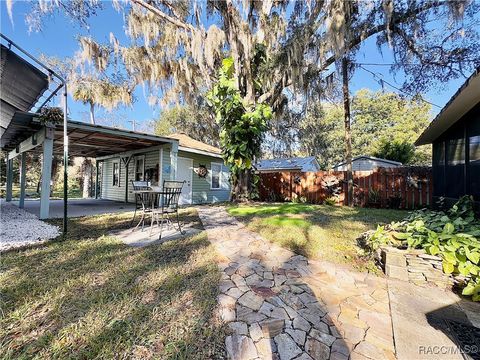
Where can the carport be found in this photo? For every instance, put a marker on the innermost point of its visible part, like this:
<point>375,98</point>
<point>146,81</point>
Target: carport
<point>23,86</point>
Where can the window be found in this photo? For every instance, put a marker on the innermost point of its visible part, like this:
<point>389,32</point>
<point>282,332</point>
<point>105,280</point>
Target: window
<point>116,173</point>
<point>140,168</point>
<point>474,152</point>
<point>456,152</point>
<point>216,173</point>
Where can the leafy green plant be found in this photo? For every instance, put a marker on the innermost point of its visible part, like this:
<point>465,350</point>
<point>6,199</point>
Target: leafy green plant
<point>453,235</point>
<point>374,196</point>
<point>51,115</point>
<point>331,201</point>
<point>241,130</point>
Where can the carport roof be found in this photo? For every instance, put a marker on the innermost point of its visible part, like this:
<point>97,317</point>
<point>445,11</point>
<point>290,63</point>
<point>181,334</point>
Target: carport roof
<point>87,140</point>
<point>22,85</point>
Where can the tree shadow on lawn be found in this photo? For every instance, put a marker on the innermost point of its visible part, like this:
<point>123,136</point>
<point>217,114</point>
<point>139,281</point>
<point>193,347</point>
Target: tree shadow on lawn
<point>290,305</point>
<point>317,231</point>
<point>98,297</point>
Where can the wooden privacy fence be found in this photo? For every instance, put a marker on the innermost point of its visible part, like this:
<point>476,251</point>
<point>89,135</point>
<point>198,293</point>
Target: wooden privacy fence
<point>402,187</point>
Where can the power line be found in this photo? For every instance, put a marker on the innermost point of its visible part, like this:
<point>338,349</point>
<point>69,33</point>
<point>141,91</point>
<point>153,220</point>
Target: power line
<point>382,81</point>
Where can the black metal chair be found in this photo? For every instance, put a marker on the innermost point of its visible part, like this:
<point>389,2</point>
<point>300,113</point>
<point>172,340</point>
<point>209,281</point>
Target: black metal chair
<point>139,203</point>
<point>169,199</point>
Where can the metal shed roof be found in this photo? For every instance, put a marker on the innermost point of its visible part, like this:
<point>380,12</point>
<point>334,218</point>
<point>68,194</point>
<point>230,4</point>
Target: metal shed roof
<point>462,102</point>
<point>294,163</point>
<point>22,85</point>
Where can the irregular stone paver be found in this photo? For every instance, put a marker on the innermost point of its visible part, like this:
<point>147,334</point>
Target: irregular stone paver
<point>280,305</point>
<point>286,306</point>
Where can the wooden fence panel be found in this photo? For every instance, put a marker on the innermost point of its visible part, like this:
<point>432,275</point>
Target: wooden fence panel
<point>403,187</point>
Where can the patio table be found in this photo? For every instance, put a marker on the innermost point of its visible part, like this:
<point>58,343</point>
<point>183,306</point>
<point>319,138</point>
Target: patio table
<point>150,200</point>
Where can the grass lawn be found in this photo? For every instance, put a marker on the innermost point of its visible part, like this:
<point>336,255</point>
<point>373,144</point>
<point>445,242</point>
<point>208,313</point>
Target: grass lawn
<point>91,296</point>
<point>316,231</point>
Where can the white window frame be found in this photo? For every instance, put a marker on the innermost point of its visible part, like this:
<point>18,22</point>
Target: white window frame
<point>143,170</point>
<point>219,176</point>
<point>113,173</point>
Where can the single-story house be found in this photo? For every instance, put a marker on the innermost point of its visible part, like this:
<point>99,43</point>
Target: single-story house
<point>367,163</point>
<point>302,164</point>
<point>455,135</point>
<point>200,187</point>
<point>121,155</point>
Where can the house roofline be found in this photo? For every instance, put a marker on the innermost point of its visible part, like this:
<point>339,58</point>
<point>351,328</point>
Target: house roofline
<point>370,158</point>
<point>458,105</point>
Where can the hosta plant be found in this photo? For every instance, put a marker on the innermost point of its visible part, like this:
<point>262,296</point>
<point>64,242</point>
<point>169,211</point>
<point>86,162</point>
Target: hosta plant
<point>453,235</point>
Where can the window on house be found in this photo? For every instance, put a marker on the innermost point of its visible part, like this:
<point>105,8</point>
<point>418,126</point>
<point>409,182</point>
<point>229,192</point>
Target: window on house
<point>216,172</point>
<point>140,168</point>
<point>116,173</point>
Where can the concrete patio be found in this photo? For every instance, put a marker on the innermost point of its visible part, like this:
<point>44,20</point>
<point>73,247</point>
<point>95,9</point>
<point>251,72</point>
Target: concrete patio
<point>78,207</point>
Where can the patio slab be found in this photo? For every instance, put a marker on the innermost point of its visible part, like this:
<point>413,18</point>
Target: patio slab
<point>139,238</point>
<point>78,207</point>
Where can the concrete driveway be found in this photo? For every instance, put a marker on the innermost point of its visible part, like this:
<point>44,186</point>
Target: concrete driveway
<point>78,207</point>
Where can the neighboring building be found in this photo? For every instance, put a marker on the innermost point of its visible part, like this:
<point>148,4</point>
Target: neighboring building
<point>302,164</point>
<point>366,163</point>
<point>455,135</point>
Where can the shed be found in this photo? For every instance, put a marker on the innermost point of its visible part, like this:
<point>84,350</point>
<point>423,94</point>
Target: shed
<point>455,135</point>
<point>302,164</point>
<point>367,163</point>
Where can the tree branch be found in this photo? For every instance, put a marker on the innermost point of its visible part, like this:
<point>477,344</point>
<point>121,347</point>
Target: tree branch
<point>174,21</point>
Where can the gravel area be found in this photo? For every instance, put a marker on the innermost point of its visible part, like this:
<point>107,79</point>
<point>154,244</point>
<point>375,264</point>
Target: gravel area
<point>19,228</point>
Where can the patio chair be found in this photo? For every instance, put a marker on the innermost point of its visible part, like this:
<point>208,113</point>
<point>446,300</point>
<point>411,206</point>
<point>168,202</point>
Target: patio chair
<point>139,185</point>
<point>169,199</point>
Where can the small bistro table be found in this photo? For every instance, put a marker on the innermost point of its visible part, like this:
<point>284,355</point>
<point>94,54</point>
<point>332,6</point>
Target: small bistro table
<point>159,202</point>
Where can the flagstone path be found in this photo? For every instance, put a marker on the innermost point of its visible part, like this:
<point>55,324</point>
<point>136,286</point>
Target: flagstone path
<point>278,305</point>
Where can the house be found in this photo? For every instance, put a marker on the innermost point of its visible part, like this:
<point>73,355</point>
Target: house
<point>455,135</point>
<point>302,164</point>
<point>367,163</point>
<point>180,160</point>
<point>121,155</point>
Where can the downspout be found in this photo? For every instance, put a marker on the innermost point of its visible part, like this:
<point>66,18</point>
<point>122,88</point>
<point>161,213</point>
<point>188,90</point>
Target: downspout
<point>63,84</point>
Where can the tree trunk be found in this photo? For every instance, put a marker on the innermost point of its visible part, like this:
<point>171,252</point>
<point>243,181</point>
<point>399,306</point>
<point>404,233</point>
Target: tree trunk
<point>243,186</point>
<point>86,175</point>
<point>348,133</point>
<point>92,113</point>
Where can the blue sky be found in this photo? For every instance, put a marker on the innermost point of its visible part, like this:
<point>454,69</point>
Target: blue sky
<point>58,38</point>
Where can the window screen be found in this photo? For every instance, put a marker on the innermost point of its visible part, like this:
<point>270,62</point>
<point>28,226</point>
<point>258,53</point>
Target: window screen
<point>439,168</point>
<point>140,168</point>
<point>216,171</point>
<point>116,174</point>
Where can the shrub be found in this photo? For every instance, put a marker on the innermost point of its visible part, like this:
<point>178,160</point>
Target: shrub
<point>453,235</point>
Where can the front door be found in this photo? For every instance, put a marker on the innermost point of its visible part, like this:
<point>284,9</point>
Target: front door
<point>184,173</point>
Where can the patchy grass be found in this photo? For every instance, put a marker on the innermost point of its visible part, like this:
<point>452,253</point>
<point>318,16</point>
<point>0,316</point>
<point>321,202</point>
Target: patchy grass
<point>316,231</point>
<point>91,296</point>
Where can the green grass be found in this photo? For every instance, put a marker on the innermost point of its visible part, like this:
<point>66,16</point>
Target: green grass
<point>31,193</point>
<point>316,231</point>
<point>91,296</point>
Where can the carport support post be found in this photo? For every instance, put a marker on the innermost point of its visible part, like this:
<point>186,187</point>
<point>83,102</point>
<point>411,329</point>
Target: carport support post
<point>174,160</point>
<point>8,195</point>
<point>23,176</point>
<point>96,179</point>
<point>46,177</point>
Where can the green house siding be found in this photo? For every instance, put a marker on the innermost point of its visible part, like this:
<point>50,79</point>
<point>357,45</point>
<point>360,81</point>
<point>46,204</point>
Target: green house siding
<point>117,193</point>
<point>201,187</point>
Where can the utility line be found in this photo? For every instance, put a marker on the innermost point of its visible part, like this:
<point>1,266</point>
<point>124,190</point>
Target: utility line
<point>381,81</point>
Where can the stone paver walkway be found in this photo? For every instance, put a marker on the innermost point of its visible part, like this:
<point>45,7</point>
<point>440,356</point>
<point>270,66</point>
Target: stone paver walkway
<point>278,305</point>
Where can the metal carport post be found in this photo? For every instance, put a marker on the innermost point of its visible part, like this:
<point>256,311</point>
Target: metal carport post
<point>65,133</point>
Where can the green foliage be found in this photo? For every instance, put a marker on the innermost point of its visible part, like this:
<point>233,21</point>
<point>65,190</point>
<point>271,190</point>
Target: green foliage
<point>395,150</point>
<point>51,115</point>
<point>197,122</point>
<point>376,117</point>
<point>453,235</point>
<point>242,125</point>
